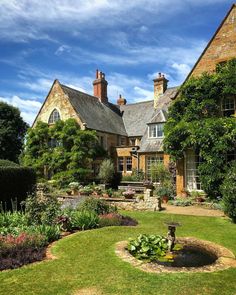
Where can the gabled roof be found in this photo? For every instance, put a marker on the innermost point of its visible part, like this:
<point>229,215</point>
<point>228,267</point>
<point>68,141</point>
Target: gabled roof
<point>95,114</point>
<point>209,43</point>
<point>159,117</point>
<point>137,115</point>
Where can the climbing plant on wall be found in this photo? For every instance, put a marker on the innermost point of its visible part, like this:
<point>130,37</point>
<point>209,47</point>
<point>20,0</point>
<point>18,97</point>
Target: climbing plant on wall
<point>196,121</point>
<point>61,149</point>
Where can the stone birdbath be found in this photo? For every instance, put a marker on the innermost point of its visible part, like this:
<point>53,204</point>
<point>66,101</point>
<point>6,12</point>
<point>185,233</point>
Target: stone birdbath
<point>171,234</point>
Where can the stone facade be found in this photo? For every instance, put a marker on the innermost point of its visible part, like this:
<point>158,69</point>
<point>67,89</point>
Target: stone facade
<point>58,100</point>
<point>220,48</point>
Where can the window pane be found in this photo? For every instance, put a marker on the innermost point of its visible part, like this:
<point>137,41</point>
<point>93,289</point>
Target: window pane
<point>152,160</point>
<point>54,117</point>
<point>120,164</point>
<point>129,164</point>
<point>156,130</point>
<point>192,173</point>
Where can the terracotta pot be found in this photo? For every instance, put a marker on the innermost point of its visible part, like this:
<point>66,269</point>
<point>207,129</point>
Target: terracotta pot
<point>165,199</point>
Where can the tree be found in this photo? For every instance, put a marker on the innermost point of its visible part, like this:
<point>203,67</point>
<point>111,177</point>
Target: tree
<point>195,121</point>
<point>62,151</point>
<point>12,132</point>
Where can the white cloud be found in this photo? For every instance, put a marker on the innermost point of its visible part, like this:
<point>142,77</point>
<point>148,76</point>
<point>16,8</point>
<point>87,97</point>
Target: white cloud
<point>31,19</point>
<point>28,108</point>
<point>63,49</point>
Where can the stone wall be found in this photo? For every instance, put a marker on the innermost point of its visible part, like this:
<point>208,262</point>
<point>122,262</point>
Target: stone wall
<point>221,48</point>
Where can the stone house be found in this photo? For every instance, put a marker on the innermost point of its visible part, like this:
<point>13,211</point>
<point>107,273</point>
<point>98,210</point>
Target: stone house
<point>133,134</point>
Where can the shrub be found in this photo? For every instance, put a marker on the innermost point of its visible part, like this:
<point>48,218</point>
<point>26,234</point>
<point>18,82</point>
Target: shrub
<point>41,210</point>
<point>16,183</point>
<point>7,163</point>
<point>148,247</point>
<point>96,205</point>
<point>115,219</point>
<point>50,232</point>
<point>106,171</point>
<point>228,190</point>
<point>20,250</point>
<point>83,220</point>
<point>181,202</point>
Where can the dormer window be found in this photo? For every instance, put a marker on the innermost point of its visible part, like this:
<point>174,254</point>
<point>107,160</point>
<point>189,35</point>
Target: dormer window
<point>228,106</point>
<point>54,117</point>
<point>156,130</point>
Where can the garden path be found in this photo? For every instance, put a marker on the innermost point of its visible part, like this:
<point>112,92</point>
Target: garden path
<point>191,210</point>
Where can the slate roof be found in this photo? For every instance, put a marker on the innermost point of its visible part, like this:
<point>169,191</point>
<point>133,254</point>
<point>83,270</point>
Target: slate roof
<point>137,115</point>
<point>158,116</point>
<point>96,115</point>
<point>127,120</point>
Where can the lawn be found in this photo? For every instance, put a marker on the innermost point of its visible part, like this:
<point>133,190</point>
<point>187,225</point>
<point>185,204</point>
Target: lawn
<point>87,260</point>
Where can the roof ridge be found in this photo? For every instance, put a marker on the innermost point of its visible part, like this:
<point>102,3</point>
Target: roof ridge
<point>95,97</point>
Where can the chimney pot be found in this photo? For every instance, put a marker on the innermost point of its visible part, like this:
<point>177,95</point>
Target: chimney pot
<point>97,74</point>
<point>121,101</point>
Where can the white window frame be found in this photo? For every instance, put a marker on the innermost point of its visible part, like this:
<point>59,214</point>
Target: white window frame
<point>228,105</point>
<point>154,129</point>
<point>192,181</point>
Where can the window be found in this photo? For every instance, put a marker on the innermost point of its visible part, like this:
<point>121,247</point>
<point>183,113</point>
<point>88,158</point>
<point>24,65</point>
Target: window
<point>156,130</point>
<point>53,142</point>
<point>54,117</point>
<point>228,106</point>
<point>191,171</point>
<point>128,163</point>
<point>120,164</point>
<point>152,160</point>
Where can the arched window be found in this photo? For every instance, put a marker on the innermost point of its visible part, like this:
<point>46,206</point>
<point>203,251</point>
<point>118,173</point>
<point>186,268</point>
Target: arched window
<point>54,117</point>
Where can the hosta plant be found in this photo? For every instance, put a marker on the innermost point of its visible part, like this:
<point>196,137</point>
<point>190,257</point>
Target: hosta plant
<point>148,247</point>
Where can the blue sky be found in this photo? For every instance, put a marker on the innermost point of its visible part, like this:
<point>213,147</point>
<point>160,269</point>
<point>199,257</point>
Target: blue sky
<point>130,40</point>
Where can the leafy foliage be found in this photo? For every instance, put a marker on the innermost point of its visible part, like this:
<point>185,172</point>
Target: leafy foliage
<point>106,171</point>
<point>148,247</point>
<point>41,210</point>
<point>96,205</point>
<point>12,132</point>
<point>195,121</point>
<point>62,150</point>
<point>83,220</point>
<point>228,189</point>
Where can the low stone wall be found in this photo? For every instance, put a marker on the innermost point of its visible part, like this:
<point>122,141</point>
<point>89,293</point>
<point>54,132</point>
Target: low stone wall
<point>148,204</point>
<point>225,258</point>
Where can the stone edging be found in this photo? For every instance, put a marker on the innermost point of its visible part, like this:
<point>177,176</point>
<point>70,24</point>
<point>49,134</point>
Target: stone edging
<point>225,258</point>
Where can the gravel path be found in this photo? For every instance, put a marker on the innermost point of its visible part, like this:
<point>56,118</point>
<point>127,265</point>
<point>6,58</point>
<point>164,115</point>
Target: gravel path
<point>192,210</point>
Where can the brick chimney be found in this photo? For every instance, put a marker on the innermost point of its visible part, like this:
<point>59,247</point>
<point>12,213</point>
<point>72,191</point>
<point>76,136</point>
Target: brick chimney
<point>160,86</point>
<point>121,101</point>
<point>100,87</point>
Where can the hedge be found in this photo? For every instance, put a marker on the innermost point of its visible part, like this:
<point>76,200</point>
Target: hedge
<point>15,184</point>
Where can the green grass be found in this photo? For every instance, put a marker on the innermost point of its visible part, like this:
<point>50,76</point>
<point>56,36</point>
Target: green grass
<point>87,259</point>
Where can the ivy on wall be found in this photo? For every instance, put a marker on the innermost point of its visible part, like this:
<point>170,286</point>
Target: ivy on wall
<point>61,149</point>
<point>195,121</point>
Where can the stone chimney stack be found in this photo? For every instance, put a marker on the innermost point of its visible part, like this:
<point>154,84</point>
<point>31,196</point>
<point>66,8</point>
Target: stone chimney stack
<point>100,87</point>
<point>160,86</point>
<point>121,101</point>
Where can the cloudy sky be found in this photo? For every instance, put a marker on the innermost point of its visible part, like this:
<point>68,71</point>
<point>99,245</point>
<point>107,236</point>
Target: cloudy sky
<point>130,40</point>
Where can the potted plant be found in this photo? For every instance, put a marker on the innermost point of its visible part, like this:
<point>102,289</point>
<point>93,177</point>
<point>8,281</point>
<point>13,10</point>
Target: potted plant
<point>165,191</point>
<point>129,193</point>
